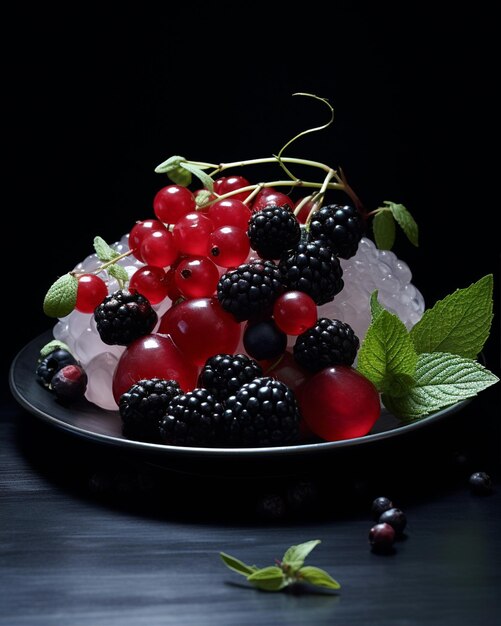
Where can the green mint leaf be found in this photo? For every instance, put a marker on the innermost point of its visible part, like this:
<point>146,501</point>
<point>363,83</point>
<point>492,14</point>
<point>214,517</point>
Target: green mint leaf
<point>53,345</point>
<point>383,226</point>
<point>460,323</point>
<point>180,176</point>
<point>103,250</point>
<point>294,557</point>
<point>441,379</point>
<point>318,577</point>
<point>119,272</point>
<point>387,354</point>
<point>236,565</point>
<point>61,298</point>
<point>270,578</point>
<point>171,163</point>
<point>405,221</point>
<point>375,305</point>
<point>204,178</point>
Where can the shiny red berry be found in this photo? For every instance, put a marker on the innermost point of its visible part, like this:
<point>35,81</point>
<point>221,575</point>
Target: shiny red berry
<point>91,291</point>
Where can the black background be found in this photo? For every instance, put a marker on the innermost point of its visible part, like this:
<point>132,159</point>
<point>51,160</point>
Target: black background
<point>95,100</point>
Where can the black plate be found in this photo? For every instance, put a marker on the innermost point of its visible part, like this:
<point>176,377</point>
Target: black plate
<point>87,421</point>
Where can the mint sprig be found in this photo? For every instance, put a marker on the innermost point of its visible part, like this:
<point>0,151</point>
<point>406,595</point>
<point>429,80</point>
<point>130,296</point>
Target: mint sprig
<point>289,571</point>
<point>432,366</point>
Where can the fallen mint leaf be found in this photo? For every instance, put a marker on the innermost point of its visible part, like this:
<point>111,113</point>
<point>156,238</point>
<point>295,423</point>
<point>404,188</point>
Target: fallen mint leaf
<point>237,566</point>
<point>440,380</point>
<point>295,555</point>
<point>270,578</point>
<point>318,577</point>
<point>459,324</point>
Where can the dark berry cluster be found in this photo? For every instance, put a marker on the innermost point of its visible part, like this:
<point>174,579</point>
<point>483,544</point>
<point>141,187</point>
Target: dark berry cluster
<point>390,524</point>
<point>233,406</point>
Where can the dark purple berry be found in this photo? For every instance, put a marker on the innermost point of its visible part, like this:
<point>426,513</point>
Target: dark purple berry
<point>379,506</point>
<point>480,484</point>
<point>264,340</point>
<point>271,506</point>
<point>395,518</point>
<point>382,537</point>
<point>69,383</point>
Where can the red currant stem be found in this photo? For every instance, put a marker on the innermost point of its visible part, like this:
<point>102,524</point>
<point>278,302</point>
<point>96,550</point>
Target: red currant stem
<point>254,193</point>
<point>378,210</point>
<point>104,265</point>
<point>319,198</point>
<point>273,159</point>
<point>356,200</point>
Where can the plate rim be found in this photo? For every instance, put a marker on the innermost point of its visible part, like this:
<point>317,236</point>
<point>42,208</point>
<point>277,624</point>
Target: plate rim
<point>216,452</point>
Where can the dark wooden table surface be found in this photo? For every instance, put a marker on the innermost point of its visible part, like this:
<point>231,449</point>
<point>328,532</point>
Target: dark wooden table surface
<point>91,536</point>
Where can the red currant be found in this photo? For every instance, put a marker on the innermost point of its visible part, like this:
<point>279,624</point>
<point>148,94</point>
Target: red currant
<point>158,248</point>
<point>339,403</point>
<point>91,291</point>
<point>230,212</point>
<point>265,198</point>
<point>173,292</point>
<point>201,328</point>
<point>151,282</point>
<point>294,312</point>
<point>226,184</point>
<point>228,246</point>
<point>196,277</point>
<point>191,234</point>
<point>139,231</point>
<point>172,202</point>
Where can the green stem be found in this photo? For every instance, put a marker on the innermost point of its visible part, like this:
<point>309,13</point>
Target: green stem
<point>273,159</point>
<point>105,265</point>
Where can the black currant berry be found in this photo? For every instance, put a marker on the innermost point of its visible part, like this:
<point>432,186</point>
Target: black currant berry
<point>395,518</point>
<point>480,484</point>
<point>379,506</point>
<point>382,538</point>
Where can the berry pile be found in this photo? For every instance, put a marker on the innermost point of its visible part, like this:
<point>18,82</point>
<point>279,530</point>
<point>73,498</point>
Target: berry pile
<point>207,324</point>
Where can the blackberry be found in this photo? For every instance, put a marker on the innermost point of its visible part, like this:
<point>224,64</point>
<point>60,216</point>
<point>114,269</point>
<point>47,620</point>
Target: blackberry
<point>329,342</point>
<point>339,227</point>
<point>53,362</point>
<point>124,316</point>
<point>250,290</point>
<point>273,230</point>
<point>193,419</point>
<point>313,268</point>
<point>144,405</point>
<point>224,374</point>
<point>263,412</point>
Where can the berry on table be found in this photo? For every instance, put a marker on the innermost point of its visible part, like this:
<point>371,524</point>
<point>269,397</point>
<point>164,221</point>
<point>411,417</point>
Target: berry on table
<point>396,518</point>
<point>327,343</point>
<point>480,483</point>
<point>143,405</point>
<point>382,538</point>
<point>379,506</point>
<point>123,316</point>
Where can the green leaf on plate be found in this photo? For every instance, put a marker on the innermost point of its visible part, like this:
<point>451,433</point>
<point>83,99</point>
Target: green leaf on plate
<point>440,380</point>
